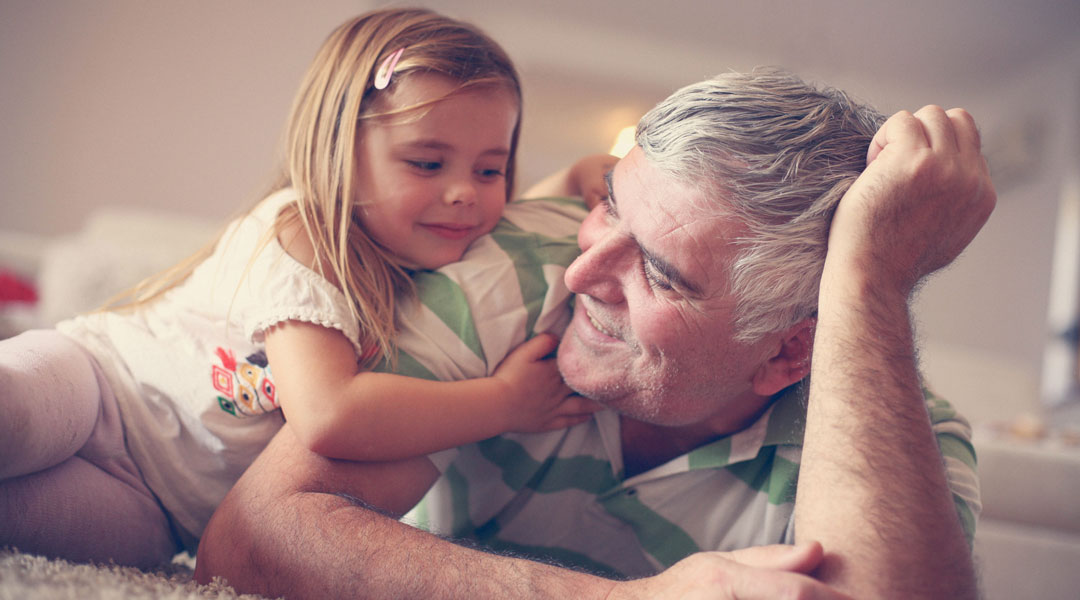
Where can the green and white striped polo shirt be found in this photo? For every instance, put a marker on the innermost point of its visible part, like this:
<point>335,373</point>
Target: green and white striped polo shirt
<point>562,495</point>
<point>506,288</point>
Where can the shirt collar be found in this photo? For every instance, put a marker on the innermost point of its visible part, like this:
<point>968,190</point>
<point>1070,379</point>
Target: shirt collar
<point>782,424</point>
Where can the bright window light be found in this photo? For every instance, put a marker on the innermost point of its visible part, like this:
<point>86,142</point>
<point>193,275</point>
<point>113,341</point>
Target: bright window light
<point>623,142</point>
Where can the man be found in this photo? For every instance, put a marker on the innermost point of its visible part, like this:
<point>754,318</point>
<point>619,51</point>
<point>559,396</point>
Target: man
<point>698,306</point>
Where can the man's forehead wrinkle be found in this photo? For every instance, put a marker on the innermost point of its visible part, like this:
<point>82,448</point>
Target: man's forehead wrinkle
<point>669,225</point>
<point>700,239</point>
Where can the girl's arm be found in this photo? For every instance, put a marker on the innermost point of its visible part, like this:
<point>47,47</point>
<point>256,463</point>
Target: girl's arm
<point>584,178</point>
<point>339,412</point>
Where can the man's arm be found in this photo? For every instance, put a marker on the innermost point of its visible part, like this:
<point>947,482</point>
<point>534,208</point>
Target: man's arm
<point>296,525</point>
<point>299,525</point>
<point>872,485</point>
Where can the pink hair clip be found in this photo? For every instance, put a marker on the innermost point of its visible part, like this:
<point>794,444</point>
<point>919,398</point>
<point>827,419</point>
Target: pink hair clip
<point>382,76</point>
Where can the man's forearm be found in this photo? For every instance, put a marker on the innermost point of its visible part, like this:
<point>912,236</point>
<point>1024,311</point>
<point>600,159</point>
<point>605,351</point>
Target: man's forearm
<point>279,533</point>
<point>351,552</point>
<point>872,486</point>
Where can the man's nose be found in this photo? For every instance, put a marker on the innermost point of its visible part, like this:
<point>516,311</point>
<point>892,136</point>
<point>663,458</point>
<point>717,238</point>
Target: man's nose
<point>598,271</point>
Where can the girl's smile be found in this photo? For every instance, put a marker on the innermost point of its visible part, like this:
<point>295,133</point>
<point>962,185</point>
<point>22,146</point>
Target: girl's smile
<point>449,231</point>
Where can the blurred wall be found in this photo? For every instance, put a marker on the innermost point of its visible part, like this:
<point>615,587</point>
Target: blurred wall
<point>172,105</point>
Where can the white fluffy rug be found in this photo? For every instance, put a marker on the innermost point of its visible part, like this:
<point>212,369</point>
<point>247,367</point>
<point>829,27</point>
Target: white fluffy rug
<point>29,577</point>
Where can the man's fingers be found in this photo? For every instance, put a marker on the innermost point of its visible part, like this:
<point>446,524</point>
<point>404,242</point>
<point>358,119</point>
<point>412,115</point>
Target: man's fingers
<point>938,127</point>
<point>967,133</point>
<point>750,585</point>
<point>801,558</point>
<point>777,571</point>
<point>902,129</point>
<point>952,130</point>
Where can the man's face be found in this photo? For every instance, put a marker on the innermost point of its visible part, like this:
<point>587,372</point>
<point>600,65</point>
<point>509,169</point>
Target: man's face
<point>652,333</point>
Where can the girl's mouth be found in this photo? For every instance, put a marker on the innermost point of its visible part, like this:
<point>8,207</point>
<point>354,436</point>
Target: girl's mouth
<point>449,231</point>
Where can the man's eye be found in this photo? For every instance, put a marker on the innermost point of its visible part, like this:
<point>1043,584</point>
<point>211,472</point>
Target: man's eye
<point>425,165</point>
<point>609,208</point>
<point>655,279</point>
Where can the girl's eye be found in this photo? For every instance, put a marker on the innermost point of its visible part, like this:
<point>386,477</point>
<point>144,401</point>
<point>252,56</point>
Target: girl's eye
<point>490,173</point>
<point>655,279</point>
<point>425,165</point>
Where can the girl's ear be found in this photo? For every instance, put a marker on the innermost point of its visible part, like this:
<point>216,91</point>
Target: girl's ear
<point>791,361</point>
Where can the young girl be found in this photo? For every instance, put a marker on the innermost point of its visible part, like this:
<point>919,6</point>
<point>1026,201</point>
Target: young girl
<point>122,430</point>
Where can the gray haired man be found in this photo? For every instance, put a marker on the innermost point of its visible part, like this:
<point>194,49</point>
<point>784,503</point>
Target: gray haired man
<point>759,221</point>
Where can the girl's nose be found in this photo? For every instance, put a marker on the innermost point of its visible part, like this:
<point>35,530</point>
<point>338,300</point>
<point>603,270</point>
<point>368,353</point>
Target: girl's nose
<point>460,194</point>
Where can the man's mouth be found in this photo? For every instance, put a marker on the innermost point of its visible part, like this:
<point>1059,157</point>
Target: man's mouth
<point>598,326</point>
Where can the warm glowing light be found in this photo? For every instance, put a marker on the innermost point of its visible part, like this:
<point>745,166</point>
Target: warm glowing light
<point>623,142</point>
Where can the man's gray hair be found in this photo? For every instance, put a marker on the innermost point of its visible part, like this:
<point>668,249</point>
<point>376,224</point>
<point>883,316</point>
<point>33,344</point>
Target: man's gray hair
<point>778,154</point>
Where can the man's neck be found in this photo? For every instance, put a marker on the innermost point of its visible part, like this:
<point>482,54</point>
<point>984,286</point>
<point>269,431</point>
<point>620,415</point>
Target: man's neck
<point>646,446</point>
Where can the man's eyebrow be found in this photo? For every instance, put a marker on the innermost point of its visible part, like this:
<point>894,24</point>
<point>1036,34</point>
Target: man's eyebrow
<point>668,270</point>
<point>610,204</point>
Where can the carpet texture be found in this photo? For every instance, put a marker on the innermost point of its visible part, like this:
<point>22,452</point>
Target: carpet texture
<point>30,577</point>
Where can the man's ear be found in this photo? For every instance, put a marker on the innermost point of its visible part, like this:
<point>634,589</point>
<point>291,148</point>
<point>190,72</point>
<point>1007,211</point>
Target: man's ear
<point>790,362</point>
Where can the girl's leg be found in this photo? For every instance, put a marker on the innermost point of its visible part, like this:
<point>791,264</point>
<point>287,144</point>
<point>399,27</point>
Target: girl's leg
<point>90,506</point>
<point>80,513</point>
<point>49,401</point>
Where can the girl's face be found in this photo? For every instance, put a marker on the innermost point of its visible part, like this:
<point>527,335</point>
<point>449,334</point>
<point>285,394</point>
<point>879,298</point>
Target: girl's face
<point>431,186</point>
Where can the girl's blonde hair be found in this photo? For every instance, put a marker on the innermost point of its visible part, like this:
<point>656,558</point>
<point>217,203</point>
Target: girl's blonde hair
<point>336,97</point>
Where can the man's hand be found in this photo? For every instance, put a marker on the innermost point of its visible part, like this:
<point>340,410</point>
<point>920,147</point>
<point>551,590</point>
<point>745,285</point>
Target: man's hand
<point>761,573</point>
<point>924,195</point>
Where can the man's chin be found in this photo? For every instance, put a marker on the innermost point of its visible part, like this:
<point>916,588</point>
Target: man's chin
<point>579,381</point>
<point>591,376</point>
<point>576,369</point>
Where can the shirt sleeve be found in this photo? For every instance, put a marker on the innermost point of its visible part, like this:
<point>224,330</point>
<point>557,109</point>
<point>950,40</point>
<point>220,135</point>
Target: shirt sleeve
<point>277,288</point>
<point>953,435</point>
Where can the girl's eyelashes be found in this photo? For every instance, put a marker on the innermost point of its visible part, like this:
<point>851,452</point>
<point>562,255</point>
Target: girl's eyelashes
<point>425,165</point>
<point>431,166</point>
<point>490,173</point>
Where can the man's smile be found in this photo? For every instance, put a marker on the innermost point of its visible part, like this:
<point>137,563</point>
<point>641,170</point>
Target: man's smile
<point>598,326</point>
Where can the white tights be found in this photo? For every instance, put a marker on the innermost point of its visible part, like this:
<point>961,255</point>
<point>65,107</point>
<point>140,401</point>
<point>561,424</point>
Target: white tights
<point>68,487</point>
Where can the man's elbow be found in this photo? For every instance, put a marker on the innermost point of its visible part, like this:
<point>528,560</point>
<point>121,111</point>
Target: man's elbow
<point>223,542</point>
<point>239,541</point>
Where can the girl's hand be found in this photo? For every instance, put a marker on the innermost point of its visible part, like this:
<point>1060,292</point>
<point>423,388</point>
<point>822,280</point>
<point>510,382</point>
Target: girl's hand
<point>584,178</point>
<point>537,399</point>
<point>587,177</point>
